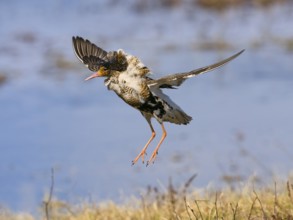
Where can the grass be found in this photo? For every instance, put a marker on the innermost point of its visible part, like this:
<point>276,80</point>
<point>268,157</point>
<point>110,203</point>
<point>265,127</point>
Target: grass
<point>248,203</point>
<point>179,203</point>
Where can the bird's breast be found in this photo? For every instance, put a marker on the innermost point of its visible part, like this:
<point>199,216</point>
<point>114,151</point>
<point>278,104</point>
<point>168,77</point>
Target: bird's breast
<point>133,91</point>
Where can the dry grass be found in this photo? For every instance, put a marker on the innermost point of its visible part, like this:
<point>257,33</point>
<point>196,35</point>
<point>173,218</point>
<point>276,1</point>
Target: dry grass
<point>7,215</point>
<point>246,202</point>
<point>266,203</point>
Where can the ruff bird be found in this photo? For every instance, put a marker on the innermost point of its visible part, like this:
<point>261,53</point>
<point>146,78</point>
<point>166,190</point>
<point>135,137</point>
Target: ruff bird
<point>130,79</point>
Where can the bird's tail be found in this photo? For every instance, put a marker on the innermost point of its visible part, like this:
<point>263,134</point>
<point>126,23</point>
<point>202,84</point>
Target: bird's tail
<point>177,116</point>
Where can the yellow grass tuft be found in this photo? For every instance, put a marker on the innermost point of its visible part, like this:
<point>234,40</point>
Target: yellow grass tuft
<point>275,202</point>
<point>246,202</point>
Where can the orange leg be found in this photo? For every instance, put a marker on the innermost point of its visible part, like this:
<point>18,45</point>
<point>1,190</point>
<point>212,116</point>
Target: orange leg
<point>143,151</point>
<point>155,153</point>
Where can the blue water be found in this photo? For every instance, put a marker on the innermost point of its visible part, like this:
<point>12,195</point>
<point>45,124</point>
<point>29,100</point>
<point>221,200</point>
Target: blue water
<point>51,118</point>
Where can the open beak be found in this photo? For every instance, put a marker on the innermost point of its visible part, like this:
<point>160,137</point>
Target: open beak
<point>96,74</point>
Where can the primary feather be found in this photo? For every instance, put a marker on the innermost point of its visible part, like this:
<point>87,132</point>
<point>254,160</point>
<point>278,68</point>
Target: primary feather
<point>178,78</point>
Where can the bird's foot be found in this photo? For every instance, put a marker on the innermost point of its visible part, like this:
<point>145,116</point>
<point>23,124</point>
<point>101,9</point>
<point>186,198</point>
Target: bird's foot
<point>152,158</point>
<point>140,155</point>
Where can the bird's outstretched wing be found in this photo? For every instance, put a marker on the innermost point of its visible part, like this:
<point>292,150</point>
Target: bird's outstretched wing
<point>94,57</point>
<point>178,78</point>
<point>88,53</point>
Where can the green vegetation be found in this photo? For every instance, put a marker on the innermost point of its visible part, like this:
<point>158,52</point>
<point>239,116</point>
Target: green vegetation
<point>245,202</point>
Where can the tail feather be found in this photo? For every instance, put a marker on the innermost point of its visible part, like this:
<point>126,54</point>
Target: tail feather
<point>174,113</point>
<point>177,116</point>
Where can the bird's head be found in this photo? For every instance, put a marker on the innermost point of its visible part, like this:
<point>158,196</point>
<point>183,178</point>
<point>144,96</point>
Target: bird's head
<point>116,62</point>
<point>102,72</point>
<point>101,62</point>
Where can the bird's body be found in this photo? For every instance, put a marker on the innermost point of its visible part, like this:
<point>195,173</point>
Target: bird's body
<point>130,79</point>
<point>132,86</point>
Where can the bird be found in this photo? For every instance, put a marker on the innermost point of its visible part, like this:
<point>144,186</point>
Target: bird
<point>131,80</point>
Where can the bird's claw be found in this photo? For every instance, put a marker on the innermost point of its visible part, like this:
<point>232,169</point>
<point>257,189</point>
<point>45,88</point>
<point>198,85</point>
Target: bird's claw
<point>140,155</point>
<point>148,163</point>
<point>153,158</point>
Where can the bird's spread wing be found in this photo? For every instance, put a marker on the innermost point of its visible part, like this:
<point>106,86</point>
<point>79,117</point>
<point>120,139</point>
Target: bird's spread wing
<point>178,78</point>
<point>88,53</point>
<point>94,57</point>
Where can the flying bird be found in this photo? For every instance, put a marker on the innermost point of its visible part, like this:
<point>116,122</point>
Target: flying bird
<point>130,79</point>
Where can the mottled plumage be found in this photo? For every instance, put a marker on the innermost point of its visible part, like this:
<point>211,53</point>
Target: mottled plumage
<point>130,79</point>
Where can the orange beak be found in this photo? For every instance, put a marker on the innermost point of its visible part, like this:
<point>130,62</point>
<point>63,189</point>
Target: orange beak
<point>96,74</point>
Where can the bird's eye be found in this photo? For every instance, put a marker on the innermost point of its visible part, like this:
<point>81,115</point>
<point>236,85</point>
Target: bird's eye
<point>105,68</point>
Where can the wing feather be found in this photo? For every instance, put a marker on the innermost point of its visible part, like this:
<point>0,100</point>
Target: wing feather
<point>94,57</point>
<point>178,78</point>
<point>89,54</point>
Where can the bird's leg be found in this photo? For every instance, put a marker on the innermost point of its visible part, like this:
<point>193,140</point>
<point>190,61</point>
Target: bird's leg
<point>143,151</point>
<point>155,153</point>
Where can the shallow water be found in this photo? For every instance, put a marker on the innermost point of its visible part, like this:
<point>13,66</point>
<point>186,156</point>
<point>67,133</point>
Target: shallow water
<point>50,118</point>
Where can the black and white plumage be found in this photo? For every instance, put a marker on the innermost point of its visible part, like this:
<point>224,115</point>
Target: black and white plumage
<point>130,79</point>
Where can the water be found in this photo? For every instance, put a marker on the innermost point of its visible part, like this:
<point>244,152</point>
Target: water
<point>51,118</point>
